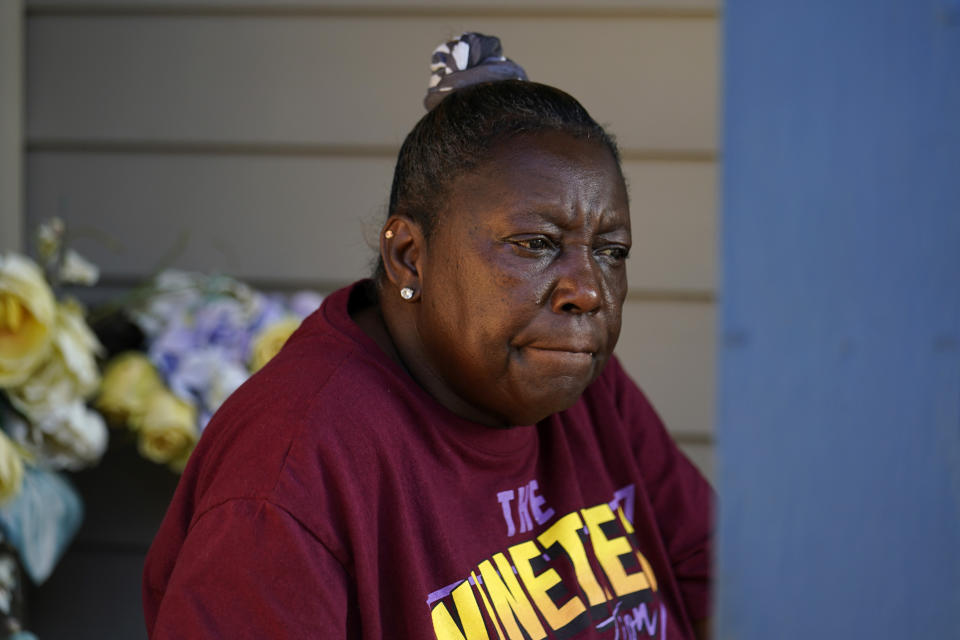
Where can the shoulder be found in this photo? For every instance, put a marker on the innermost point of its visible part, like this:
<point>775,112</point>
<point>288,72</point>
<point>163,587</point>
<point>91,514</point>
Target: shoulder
<point>210,584</point>
<point>279,436</point>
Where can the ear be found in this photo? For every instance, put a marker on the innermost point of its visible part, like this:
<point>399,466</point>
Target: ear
<point>403,248</point>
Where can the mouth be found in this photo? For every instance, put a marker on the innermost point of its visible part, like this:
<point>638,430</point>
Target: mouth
<point>571,350</point>
<point>571,344</point>
<point>562,356</point>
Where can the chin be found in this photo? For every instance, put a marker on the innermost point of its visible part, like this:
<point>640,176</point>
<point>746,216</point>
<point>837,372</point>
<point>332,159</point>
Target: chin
<point>534,409</point>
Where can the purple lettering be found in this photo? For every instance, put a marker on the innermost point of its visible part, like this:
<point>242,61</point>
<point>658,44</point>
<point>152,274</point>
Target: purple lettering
<point>505,497</point>
<point>625,497</point>
<point>641,619</point>
<point>540,514</point>
<point>526,524</point>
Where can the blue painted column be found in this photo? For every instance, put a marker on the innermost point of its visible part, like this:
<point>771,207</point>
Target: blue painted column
<point>839,400</point>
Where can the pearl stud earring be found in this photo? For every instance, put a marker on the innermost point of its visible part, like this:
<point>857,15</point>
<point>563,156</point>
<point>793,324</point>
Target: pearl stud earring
<point>406,293</point>
<point>388,234</point>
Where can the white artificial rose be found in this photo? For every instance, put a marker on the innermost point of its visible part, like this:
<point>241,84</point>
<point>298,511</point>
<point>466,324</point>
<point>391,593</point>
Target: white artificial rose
<point>78,270</point>
<point>78,346</point>
<point>70,436</point>
<point>48,387</point>
<point>50,236</point>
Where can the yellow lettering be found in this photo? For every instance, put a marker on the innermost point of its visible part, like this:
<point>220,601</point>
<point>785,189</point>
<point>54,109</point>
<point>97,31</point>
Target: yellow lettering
<point>647,569</point>
<point>486,605</point>
<point>509,600</point>
<point>565,531</point>
<point>538,585</point>
<point>466,604</point>
<point>608,551</point>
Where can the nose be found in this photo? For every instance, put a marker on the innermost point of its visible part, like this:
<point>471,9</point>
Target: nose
<point>577,288</point>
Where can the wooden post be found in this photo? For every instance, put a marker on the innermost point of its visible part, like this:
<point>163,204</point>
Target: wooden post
<point>839,400</point>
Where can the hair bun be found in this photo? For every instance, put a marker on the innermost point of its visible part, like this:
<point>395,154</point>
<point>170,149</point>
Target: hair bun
<point>470,59</point>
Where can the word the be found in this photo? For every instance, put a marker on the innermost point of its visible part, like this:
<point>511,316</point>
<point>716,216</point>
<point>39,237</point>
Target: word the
<point>528,503</point>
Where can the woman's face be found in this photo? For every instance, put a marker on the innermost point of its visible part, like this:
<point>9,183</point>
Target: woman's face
<point>524,279</point>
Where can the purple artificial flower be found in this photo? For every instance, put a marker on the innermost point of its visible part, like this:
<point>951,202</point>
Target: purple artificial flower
<point>303,303</point>
<point>271,309</point>
<point>206,377</point>
<point>171,345</point>
<point>223,323</point>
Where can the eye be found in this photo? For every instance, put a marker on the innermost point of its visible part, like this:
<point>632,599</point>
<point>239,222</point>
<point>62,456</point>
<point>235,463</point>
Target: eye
<point>533,244</point>
<point>615,253</point>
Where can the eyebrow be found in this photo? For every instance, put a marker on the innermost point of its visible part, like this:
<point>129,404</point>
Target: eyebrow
<point>560,219</point>
<point>554,215</point>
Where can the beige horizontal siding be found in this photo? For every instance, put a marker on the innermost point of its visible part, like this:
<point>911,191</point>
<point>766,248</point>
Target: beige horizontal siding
<point>296,218</point>
<point>672,210</point>
<point>277,218</point>
<point>668,349</point>
<point>702,455</point>
<point>349,81</point>
<point>302,149</point>
<point>384,6</point>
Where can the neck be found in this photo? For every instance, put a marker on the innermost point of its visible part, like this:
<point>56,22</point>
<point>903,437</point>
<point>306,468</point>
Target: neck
<point>368,315</point>
<point>392,324</point>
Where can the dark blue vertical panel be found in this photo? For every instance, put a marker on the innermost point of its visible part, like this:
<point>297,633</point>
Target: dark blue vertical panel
<point>839,425</point>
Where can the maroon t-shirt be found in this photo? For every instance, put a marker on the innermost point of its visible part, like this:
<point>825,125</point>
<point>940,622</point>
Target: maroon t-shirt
<point>332,497</point>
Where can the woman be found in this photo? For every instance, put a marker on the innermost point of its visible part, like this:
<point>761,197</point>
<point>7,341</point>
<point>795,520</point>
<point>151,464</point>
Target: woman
<point>451,450</point>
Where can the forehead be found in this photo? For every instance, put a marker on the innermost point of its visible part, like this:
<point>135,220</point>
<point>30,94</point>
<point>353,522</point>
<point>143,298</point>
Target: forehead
<point>544,173</point>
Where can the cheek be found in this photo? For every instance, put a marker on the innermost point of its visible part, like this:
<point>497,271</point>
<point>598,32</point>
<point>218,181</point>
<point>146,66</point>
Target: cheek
<point>489,317</point>
<point>497,288</point>
<point>616,294</point>
<point>613,328</point>
<point>463,320</point>
<point>615,282</point>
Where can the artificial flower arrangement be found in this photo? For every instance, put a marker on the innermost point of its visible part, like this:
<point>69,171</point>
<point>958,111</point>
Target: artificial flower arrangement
<point>205,335</point>
<point>48,366</point>
<point>48,371</point>
<point>202,336</point>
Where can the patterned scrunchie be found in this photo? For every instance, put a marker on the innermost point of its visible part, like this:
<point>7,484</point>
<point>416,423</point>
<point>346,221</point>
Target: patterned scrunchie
<point>470,59</point>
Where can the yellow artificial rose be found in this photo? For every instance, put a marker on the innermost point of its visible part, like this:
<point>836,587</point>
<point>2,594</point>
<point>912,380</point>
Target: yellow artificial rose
<point>268,342</point>
<point>69,372</point>
<point>129,380</point>
<point>11,469</point>
<point>27,316</point>
<point>70,437</point>
<point>167,428</point>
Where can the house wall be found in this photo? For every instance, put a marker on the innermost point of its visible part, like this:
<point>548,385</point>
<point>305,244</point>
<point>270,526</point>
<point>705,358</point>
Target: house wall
<point>257,138</point>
